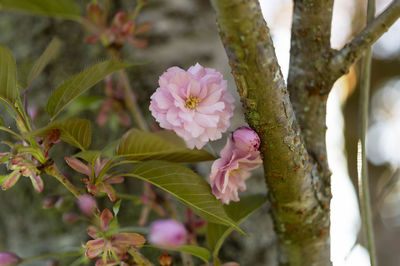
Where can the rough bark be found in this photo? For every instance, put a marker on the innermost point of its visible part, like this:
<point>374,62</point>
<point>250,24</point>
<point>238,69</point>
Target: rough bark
<point>301,220</point>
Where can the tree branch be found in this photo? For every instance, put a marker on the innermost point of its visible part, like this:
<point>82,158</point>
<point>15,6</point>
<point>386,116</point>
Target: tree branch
<point>299,217</point>
<point>343,59</point>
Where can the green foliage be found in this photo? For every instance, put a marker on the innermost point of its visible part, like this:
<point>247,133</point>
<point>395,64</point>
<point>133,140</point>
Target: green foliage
<point>51,51</point>
<point>8,77</point>
<point>141,145</point>
<point>201,253</point>
<point>88,156</point>
<point>187,186</point>
<point>238,211</point>
<point>80,83</point>
<point>66,9</point>
<point>74,131</point>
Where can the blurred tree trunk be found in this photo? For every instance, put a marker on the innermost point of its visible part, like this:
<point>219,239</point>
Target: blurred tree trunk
<point>292,130</point>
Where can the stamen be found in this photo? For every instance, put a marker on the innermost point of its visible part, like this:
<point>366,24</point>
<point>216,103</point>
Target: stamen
<point>192,102</point>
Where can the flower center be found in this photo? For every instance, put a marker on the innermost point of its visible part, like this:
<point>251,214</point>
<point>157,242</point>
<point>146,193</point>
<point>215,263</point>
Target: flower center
<point>192,102</point>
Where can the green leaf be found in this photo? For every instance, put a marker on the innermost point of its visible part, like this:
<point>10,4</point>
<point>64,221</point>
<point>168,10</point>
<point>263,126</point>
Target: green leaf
<point>66,9</point>
<point>78,84</point>
<point>74,131</point>
<point>116,207</point>
<point>200,252</point>
<point>1,121</point>
<point>238,211</point>
<point>141,145</point>
<point>8,77</point>
<point>51,51</point>
<point>187,186</point>
<point>88,156</point>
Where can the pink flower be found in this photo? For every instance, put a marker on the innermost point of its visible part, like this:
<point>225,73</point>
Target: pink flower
<point>229,173</point>
<point>195,104</point>
<point>167,233</point>
<point>8,258</point>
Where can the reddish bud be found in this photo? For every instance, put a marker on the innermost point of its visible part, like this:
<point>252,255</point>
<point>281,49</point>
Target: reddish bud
<point>9,258</point>
<point>50,201</point>
<point>246,139</point>
<point>165,259</point>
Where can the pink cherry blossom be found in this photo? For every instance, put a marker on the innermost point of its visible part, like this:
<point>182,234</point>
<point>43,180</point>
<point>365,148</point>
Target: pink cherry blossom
<point>167,233</point>
<point>196,104</point>
<point>229,173</point>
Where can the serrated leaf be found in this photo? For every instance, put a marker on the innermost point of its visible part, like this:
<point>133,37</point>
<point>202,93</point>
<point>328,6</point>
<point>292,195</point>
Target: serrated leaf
<point>200,252</point>
<point>187,186</point>
<point>80,83</point>
<point>66,9</point>
<point>74,131</point>
<point>142,145</point>
<point>238,211</point>
<point>88,156</point>
<point>51,51</point>
<point>8,76</point>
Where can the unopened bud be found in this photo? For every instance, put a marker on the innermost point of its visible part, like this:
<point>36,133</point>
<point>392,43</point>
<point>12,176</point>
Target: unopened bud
<point>9,258</point>
<point>165,259</point>
<point>246,139</point>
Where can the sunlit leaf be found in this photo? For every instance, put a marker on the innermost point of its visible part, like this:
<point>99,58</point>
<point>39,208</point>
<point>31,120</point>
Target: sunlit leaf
<point>187,186</point>
<point>66,9</point>
<point>88,156</point>
<point>74,131</point>
<point>142,145</point>
<point>51,51</point>
<point>8,76</point>
<point>78,84</point>
<point>238,211</point>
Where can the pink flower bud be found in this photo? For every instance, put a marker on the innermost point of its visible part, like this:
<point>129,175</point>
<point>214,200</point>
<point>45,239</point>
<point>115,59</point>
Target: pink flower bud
<point>50,201</point>
<point>70,217</point>
<point>8,258</point>
<point>167,233</point>
<point>87,204</point>
<point>246,139</point>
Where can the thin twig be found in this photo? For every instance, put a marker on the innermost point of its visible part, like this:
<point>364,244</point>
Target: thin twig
<point>343,59</point>
<point>53,171</point>
<point>364,192</point>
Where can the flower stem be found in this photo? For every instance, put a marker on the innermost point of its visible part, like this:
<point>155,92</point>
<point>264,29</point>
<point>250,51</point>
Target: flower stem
<point>131,102</point>
<point>364,192</point>
<point>52,255</point>
<point>53,171</point>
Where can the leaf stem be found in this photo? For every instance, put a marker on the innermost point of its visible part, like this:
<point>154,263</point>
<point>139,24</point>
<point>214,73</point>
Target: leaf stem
<point>364,191</point>
<point>52,255</point>
<point>53,171</point>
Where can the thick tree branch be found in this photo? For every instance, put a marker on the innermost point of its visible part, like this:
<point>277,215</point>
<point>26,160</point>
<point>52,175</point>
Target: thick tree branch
<point>309,55</point>
<point>343,59</point>
<point>301,220</point>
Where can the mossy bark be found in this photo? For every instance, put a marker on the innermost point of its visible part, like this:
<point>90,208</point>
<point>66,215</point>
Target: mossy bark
<point>292,129</point>
<point>300,219</point>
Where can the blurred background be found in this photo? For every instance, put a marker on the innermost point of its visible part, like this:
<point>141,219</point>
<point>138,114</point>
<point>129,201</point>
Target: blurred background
<point>183,33</point>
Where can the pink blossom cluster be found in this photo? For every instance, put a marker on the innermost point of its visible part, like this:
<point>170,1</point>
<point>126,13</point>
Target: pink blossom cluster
<point>196,104</point>
<point>238,157</point>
